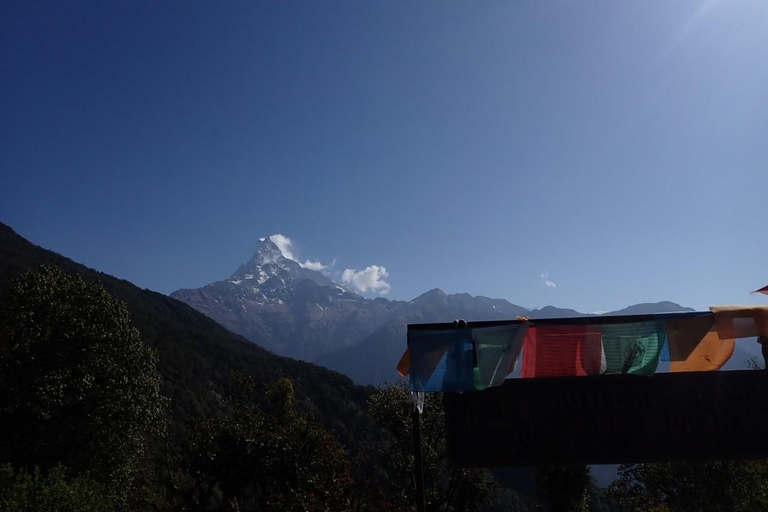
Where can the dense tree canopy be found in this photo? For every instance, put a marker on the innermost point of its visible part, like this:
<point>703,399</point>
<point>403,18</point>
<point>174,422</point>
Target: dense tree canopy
<point>78,387</point>
<point>32,491</point>
<point>266,457</point>
<point>704,486</point>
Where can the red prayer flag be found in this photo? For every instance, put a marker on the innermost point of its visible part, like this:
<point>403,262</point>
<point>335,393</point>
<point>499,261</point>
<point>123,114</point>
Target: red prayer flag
<point>562,351</point>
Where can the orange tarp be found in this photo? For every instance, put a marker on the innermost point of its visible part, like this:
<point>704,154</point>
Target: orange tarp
<point>696,346</point>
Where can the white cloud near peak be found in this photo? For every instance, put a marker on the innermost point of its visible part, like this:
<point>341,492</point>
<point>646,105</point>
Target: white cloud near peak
<point>373,278</point>
<point>313,265</point>
<point>285,245</point>
<point>316,265</point>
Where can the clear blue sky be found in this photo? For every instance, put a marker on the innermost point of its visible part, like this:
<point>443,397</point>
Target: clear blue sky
<point>619,148</point>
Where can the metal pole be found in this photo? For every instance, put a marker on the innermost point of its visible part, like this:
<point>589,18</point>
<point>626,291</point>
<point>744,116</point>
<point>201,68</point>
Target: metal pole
<point>418,468</point>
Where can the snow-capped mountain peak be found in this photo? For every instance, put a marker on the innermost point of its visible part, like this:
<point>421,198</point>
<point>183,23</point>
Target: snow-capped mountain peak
<point>268,251</point>
<point>271,268</point>
<point>272,297</point>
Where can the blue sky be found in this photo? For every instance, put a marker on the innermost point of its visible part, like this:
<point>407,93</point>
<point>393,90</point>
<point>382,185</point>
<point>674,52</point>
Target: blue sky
<point>618,148</point>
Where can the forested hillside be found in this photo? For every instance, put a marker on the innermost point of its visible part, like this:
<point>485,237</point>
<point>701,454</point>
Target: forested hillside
<point>196,355</point>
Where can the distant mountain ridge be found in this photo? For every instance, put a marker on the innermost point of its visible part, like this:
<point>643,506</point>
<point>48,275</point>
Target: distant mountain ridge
<point>648,308</point>
<point>295,311</point>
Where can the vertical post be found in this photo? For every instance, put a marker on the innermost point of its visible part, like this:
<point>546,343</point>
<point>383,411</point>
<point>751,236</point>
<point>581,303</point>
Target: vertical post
<point>417,402</point>
<point>418,467</point>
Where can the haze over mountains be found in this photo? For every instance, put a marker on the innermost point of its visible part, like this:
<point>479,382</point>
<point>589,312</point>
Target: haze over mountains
<point>292,310</point>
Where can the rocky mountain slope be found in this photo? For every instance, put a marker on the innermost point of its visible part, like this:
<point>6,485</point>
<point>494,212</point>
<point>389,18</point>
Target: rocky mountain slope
<point>286,308</point>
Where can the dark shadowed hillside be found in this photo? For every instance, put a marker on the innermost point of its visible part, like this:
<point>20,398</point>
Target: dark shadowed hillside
<point>196,354</point>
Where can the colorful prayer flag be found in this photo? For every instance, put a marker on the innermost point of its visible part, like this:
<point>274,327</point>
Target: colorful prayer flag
<point>474,358</point>
<point>633,348</point>
<point>498,349</point>
<point>562,351</point>
<point>695,346</point>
